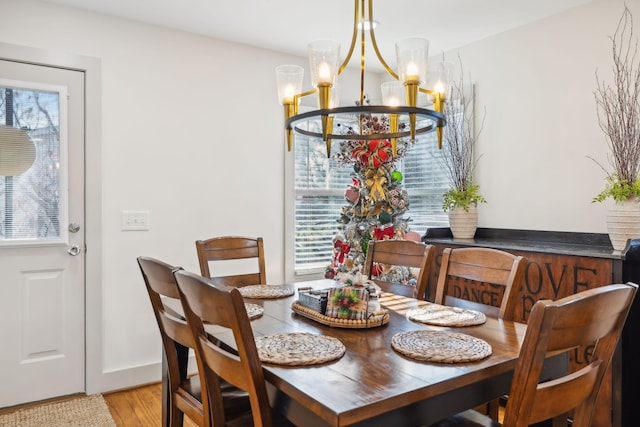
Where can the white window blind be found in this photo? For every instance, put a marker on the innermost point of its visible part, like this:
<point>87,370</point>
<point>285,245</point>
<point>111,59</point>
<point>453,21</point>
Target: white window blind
<point>320,183</point>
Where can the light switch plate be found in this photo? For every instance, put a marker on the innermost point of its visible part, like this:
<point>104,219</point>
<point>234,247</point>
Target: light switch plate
<point>135,220</point>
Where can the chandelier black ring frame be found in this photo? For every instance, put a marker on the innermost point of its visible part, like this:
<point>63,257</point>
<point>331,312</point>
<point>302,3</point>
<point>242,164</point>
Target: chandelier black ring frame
<point>436,120</point>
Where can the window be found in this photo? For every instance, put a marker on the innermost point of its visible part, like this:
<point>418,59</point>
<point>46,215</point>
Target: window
<point>320,185</point>
<point>30,202</point>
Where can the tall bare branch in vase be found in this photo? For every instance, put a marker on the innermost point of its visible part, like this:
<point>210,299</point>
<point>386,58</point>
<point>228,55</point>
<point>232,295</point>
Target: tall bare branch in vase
<point>618,108</point>
<point>459,161</point>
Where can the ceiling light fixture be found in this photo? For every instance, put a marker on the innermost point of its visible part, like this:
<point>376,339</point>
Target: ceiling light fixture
<point>400,96</point>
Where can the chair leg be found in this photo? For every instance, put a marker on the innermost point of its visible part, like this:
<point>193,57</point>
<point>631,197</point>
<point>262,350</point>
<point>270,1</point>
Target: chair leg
<point>177,417</point>
<point>166,394</point>
<point>559,421</point>
<point>493,409</point>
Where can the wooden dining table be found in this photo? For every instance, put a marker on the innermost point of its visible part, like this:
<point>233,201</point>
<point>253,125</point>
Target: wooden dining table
<point>374,385</point>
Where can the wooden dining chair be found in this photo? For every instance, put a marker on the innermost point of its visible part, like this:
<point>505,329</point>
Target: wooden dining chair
<point>501,270</point>
<point>498,269</point>
<point>210,301</point>
<point>595,316</point>
<point>404,253</point>
<point>232,251</point>
<point>184,391</point>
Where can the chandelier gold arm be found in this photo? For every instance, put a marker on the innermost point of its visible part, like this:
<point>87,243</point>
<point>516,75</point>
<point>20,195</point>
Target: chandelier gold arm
<point>307,93</point>
<point>354,37</point>
<point>359,13</point>
<point>362,53</point>
<point>375,44</point>
<point>438,99</point>
<point>438,105</point>
<point>290,110</point>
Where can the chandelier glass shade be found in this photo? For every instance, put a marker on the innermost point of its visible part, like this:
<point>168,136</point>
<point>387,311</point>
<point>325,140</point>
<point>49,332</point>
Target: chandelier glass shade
<point>399,96</point>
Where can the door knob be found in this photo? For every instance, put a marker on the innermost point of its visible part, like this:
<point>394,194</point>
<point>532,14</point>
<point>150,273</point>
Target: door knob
<point>74,250</point>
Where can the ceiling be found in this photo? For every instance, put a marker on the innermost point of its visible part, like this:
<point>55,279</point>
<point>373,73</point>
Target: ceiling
<point>288,25</point>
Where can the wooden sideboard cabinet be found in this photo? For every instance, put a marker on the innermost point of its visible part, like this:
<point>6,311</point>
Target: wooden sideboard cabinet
<point>561,264</point>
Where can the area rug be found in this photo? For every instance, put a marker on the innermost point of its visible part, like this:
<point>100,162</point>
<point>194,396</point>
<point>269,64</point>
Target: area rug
<point>90,411</point>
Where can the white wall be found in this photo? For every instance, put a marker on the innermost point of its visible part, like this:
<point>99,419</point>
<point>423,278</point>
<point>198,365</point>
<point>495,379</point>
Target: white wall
<point>178,140</point>
<point>537,85</point>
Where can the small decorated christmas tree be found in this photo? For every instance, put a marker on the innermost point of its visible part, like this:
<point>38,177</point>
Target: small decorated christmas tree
<point>376,201</point>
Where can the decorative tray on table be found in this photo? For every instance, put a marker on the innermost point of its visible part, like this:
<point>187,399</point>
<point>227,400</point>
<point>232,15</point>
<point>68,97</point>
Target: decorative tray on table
<point>375,319</point>
<point>314,304</point>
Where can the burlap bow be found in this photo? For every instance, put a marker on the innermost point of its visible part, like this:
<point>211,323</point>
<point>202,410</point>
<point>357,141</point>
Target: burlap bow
<point>376,178</point>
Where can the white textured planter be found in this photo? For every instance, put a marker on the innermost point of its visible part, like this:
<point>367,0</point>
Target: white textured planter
<point>623,223</point>
<point>463,224</point>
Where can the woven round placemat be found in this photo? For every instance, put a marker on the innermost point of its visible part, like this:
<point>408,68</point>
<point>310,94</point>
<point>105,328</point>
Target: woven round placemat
<point>253,310</point>
<point>266,291</point>
<point>298,348</point>
<point>440,346</point>
<point>442,315</point>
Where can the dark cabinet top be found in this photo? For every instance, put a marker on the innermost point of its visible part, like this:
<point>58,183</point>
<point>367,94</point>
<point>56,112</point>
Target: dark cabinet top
<point>595,245</point>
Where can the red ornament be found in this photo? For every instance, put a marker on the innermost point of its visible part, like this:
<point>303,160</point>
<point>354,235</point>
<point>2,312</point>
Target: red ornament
<point>412,235</point>
<point>352,194</point>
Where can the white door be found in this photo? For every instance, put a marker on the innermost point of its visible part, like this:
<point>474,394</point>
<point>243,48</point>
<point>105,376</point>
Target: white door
<point>42,247</point>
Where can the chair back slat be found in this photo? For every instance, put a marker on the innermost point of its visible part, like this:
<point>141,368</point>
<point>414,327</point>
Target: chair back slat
<point>219,250</point>
<point>574,391</point>
<point>483,265</point>
<point>479,272</point>
<point>404,253</point>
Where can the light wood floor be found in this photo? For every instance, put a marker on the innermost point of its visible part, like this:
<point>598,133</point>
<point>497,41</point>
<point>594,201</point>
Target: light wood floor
<point>142,407</point>
<point>139,407</point>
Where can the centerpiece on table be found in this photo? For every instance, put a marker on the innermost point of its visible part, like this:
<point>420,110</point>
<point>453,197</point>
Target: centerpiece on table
<point>618,108</point>
<point>356,298</point>
<point>459,161</point>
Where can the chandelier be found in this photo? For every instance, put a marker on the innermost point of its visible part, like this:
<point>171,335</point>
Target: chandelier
<point>399,96</point>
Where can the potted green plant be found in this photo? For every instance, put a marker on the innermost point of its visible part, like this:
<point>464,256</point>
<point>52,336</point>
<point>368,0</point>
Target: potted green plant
<point>459,161</point>
<point>618,108</point>
<point>462,197</point>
